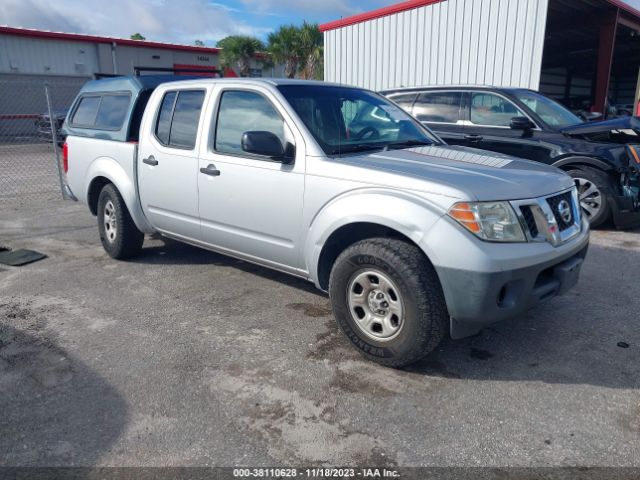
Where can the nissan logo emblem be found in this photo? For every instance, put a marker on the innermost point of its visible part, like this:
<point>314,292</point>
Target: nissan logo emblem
<point>564,209</point>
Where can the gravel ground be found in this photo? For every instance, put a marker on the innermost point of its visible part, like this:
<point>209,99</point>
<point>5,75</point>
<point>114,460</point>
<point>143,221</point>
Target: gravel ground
<point>185,357</point>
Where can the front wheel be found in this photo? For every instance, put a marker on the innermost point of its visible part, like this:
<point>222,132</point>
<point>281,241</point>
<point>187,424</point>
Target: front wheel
<point>594,189</point>
<point>387,299</point>
<point>118,233</point>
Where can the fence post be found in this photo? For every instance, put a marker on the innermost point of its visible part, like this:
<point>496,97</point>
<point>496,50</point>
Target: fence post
<point>54,138</point>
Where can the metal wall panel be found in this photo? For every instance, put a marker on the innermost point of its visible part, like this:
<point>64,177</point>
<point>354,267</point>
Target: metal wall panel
<point>35,56</point>
<point>484,42</point>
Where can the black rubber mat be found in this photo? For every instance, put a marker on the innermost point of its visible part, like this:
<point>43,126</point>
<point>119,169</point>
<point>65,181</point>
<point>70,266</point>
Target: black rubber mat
<point>17,258</point>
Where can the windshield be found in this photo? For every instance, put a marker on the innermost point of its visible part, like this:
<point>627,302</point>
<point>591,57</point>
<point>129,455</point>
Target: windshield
<point>346,120</point>
<point>551,112</point>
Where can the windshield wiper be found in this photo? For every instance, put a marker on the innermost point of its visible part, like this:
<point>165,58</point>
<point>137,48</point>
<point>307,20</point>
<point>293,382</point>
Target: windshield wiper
<point>407,144</point>
<point>359,147</point>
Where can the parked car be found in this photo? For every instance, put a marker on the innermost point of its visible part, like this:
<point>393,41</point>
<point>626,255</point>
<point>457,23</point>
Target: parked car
<point>624,109</point>
<point>411,238</point>
<point>581,106</point>
<point>43,124</point>
<point>526,124</point>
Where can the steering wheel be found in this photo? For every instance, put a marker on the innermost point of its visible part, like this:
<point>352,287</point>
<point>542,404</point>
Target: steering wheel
<point>367,132</point>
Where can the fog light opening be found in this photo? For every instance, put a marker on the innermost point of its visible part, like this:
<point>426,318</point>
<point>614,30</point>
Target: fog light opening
<point>502,295</point>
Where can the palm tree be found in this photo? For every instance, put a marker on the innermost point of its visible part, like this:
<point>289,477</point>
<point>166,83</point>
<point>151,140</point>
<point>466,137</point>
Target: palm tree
<point>312,51</point>
<point>284,47</point>
<point>238,50</point>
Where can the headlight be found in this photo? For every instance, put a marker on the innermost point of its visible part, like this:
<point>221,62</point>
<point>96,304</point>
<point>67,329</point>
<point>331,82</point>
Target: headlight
<point>491,221</point>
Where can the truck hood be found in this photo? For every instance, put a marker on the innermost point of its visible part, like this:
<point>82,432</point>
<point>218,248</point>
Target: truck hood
<point>627,125</point>
<point>466,173</point>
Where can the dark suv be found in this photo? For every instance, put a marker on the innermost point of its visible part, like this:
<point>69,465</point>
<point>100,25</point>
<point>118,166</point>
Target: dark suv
<point>526,124</point>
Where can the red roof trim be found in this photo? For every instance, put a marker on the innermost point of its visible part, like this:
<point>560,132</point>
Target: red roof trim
<point>27,32</point>
<point>626,7</point>
<point>381,12</point>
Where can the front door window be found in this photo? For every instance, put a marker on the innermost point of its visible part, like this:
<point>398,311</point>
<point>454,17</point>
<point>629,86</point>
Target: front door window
<point>492,110</point>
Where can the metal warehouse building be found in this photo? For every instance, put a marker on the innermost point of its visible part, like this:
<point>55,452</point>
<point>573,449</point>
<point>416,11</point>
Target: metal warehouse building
<point>56,54</point>
<point>572,50</point>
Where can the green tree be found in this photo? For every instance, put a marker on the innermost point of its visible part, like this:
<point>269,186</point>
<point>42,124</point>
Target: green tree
<point>137,36</point>
<point>284,47</point>
<point>238,50</point>
<point>199,43</point>
<point>311,51</point>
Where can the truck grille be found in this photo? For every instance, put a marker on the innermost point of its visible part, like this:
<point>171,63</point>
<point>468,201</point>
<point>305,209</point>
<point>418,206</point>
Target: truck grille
<point>530,220</point>
<point>564,218</point>
<point>554,219</point>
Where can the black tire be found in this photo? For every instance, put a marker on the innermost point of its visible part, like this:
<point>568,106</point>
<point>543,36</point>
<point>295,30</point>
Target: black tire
<point>602,182</point>
<point>125,241</point>
<point>425,319</point>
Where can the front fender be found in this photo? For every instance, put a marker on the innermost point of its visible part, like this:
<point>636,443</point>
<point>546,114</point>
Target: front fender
<point>582,160</point>
<point>113,171</point>
<point>404,212</point>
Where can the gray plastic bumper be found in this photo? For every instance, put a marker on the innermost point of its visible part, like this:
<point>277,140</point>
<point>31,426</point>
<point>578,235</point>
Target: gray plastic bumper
<point>477,299</point>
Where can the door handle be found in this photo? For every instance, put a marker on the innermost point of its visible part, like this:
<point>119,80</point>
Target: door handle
<point>210,170</point>
<point>150,160</point>
<point>473,138</point>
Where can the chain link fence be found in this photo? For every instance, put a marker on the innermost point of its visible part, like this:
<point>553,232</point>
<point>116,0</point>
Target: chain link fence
<point>32,110</point>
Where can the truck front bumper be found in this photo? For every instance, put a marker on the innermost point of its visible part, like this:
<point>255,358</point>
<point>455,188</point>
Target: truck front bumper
<point>476,298</point>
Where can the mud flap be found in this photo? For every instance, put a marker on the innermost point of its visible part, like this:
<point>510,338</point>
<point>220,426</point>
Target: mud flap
<point>460,330</point>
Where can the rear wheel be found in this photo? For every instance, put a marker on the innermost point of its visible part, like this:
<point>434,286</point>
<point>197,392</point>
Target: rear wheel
<point>118,233</point>
<point>594,189</point>
<point>387,299</point>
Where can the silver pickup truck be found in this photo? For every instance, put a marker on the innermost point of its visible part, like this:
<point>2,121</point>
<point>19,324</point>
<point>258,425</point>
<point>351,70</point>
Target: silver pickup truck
<point>411,238</point>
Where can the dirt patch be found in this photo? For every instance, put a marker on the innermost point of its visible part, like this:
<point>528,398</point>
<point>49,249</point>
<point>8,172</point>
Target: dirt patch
<point>366,377</point>
<point>294,427</point>
<point>479,354</point>
<point>353,383</point>
<point>433,367</point>
<point>311,309</point>
<point>631,422</point>
<point>630,244</point>
<point>332,345</point>
<point>30,358</point>
<point>376,459</point>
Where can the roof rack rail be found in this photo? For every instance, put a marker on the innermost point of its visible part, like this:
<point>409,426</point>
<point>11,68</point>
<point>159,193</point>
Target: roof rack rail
<point>215,72</point>
<point>99,75</point>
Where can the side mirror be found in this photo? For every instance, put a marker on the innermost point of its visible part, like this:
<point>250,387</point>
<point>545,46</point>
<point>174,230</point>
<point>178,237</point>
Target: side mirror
<point>521,123</point>
<point>266,144</point>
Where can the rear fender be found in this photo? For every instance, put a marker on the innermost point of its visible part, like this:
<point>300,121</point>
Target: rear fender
<point>112,170</point>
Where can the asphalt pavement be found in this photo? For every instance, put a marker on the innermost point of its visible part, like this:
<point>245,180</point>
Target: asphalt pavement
<point>185,357</point>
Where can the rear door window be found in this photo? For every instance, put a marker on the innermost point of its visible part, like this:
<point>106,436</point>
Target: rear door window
<point>405,100</point>
<point>438,107</point>
<point>179,117</point>
<point>186,117</point>
<point>163,125</point>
